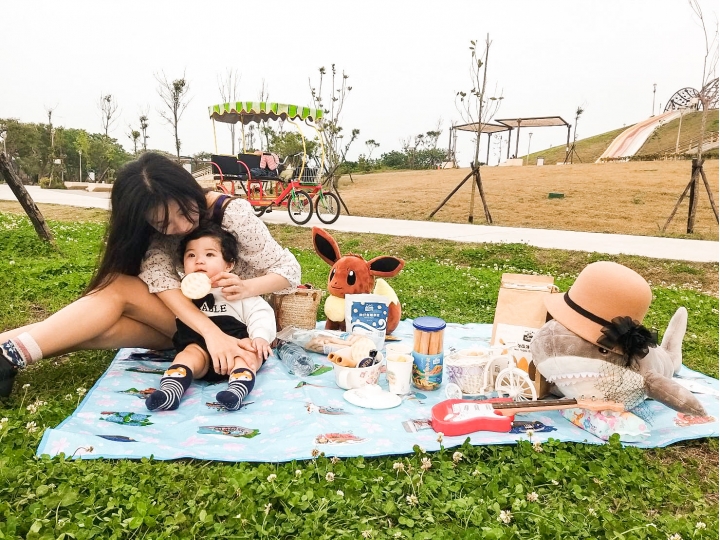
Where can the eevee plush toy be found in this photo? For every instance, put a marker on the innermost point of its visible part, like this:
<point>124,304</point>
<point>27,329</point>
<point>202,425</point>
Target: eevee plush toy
<point>351,274</point>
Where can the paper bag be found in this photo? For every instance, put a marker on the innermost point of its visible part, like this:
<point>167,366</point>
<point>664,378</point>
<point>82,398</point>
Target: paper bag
<point>519,313</point>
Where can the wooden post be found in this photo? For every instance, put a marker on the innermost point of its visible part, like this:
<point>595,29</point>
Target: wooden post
<point>472,195</point>
<point>710,195</point>
<point>696,166</point>
<point>23,197</point>
<point>478,181</point>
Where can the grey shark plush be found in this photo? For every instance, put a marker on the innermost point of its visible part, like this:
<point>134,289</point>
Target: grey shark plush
<point>579,369</point>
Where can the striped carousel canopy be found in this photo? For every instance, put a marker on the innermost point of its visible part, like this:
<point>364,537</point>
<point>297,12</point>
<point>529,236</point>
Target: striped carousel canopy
<point>247,112</point>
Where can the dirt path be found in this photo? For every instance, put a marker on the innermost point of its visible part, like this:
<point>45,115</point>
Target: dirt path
<point>627,198</point>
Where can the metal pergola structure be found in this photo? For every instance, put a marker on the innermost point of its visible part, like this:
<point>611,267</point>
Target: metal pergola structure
<point>538,121</point>
<point>510,124</point>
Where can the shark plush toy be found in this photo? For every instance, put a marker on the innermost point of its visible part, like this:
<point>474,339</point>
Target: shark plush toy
<point>596,346</point>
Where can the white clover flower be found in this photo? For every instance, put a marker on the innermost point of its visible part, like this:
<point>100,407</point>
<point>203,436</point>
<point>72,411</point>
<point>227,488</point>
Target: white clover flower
<point>68,397</point>
<point>457,456</point>
<point>505,516</point>
<point>315,452</point>
<point>272,478</point>
<point>3,420</point>
<point>26,386</point>
<point>268,506</point>
<point>537,446</point>
<point>298,473</point>
<point>81,391</point>
<point>398,466</point>
<point>440,436</point>
<point>412,500</point>
<point>397,535</point>
<point>330,477</point>
<point>700,525</point>
<point>334,460</point>
<point>426,464</point>
<point>675,536</point>
<point>555,482</point>
<point>475,472</point>
<point>367,533</point>
<point>339,493</point>
<point>31,427</point>
<point>532,496</point>
<point>422,450</point>
<point>592,511</point>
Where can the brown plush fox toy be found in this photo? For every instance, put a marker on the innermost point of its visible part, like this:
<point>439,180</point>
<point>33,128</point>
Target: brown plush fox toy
<point>351,274</point>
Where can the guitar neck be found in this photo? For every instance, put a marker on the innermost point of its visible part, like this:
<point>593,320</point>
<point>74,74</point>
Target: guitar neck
<point>518,407</point>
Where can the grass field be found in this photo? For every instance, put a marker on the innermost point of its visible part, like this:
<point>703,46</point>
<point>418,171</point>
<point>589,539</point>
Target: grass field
<point>558,490</point>
<point>627,198</point>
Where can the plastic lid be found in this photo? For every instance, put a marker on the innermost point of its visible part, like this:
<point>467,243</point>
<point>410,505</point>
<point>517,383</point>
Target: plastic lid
<point>429,324</point>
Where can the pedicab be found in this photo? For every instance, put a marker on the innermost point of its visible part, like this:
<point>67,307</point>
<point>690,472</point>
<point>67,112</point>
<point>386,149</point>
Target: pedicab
<point>299,191</point>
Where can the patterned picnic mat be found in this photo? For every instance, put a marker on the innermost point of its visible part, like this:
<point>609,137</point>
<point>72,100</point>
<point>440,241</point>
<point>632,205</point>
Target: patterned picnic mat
<point>287,417</point>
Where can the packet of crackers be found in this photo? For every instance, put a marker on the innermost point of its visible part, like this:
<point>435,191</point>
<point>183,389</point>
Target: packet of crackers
<point>317,340</point>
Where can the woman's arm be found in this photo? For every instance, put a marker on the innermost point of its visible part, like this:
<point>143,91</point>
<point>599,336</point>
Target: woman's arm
<point>235,288</point>
<point>261,260</point>
<point>222,348</point>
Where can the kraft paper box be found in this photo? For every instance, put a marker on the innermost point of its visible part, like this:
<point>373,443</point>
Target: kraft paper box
<point>519,313</point>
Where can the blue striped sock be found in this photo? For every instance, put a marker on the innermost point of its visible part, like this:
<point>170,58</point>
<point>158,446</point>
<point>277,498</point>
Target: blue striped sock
<point>241,384</point>
<point>173,384</point>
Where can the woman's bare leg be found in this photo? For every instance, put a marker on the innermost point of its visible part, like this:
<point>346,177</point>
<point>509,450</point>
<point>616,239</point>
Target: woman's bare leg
<point>122,314</point>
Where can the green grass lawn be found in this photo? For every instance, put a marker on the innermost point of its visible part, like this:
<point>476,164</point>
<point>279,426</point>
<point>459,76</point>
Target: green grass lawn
<point>558,490</point>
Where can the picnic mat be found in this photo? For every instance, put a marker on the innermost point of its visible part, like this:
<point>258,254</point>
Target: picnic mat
<point>287,417</point>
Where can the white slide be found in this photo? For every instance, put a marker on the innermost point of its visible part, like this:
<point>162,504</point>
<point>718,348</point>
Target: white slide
<point>631,140</point>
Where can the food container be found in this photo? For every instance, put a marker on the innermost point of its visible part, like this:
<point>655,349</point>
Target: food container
<point>348,378</point>
<point>428,352</point>
<point>467,370</point>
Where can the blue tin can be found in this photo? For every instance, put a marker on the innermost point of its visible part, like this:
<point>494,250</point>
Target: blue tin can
<point>428,352</point>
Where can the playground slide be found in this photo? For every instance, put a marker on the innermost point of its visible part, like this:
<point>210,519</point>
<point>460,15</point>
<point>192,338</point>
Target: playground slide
<point>631,140</point>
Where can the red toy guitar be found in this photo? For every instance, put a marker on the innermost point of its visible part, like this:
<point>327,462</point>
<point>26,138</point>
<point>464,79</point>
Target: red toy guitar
<point>460,417</point>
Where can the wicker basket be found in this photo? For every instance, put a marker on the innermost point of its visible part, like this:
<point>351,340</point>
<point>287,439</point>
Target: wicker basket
<point>298,309</point>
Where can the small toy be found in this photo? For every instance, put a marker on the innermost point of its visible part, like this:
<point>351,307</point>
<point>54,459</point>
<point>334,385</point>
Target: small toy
<point>351,274</point>
<point>597,346</point>
<point>459,416</point>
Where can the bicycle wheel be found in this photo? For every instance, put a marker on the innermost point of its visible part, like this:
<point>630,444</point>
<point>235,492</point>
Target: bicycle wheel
<point>327,207</point>
<point>259,210</point>
<point>300,207</point>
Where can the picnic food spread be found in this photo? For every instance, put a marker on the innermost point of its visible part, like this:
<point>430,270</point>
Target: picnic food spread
<point>599,356</point>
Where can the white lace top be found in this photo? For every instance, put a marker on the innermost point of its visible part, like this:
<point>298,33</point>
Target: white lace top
<point>259,253</point>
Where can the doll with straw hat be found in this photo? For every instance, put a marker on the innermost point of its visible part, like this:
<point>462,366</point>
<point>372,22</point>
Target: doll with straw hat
<point>597,325</point>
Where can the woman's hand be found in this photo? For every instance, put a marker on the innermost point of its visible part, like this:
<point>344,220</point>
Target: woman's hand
<point>233,288</point>
<point>224,349</point>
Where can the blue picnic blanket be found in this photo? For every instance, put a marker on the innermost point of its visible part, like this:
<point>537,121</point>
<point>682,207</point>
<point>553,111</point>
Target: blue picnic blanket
<point>289,418</point>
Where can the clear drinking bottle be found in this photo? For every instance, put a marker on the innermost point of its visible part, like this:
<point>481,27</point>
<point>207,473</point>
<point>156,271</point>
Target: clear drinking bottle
<point>295,359</point>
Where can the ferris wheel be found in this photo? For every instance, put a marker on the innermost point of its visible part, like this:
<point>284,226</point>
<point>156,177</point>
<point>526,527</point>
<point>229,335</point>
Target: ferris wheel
<point>688,97</point>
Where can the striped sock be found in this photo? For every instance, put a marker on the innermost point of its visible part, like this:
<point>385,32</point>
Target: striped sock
<point>241,384</point>
<point>21,350</point>
<point>173,384</point>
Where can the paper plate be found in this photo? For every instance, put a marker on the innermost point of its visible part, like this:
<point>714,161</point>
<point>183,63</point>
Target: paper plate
<point>372,397</point>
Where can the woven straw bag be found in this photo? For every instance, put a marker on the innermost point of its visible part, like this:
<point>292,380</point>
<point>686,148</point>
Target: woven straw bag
<point>298,309</point>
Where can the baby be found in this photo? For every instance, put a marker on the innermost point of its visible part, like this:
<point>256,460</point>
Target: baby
<point>211,250</point>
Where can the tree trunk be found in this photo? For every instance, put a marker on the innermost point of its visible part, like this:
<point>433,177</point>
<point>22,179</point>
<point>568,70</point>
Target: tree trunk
<point>23,197</point>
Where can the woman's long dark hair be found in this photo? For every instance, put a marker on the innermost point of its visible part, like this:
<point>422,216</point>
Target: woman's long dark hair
<point>142,186</point>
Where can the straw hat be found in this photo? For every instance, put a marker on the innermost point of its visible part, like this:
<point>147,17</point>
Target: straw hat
<point>603,291</point>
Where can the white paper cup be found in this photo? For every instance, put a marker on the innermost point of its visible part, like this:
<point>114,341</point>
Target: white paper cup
<point>399,372</point>
<point>398,348</point>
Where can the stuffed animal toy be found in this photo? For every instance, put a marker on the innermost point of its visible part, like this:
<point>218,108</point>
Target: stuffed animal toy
<point>596,346</point>
<point>351,274</point>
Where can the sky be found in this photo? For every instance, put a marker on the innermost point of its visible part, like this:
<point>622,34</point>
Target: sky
<point>406,62</point>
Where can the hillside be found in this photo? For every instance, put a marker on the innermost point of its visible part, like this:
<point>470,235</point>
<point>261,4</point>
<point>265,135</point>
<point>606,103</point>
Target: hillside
<point>663,140</point>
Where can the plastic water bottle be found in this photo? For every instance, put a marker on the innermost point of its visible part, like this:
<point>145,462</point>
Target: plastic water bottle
<point>295,359</point>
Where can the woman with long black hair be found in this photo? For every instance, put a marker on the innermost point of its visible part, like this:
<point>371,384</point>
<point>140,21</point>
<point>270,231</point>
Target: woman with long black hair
<point>134,295</point>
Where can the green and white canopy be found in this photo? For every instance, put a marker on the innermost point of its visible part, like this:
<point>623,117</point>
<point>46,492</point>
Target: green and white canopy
<point>247,112</point>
